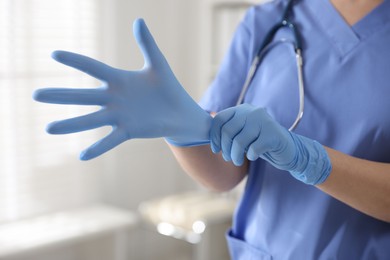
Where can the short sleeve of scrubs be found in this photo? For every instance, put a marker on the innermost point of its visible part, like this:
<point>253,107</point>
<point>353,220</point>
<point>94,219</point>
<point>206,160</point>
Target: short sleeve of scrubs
<point>224,90</point>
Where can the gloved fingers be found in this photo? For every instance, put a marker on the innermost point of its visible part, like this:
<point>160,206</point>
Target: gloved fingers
<point>79,124</point>
<point>242,141</point>
<point>113,139</point>
<point>85,64</point>
<point>229,132</point>
<point>216,126</point>
<point>237,153</point>
<point>152,54</point>
<point>262,145</point>
<point>251,154</point>
<point>71,96</point>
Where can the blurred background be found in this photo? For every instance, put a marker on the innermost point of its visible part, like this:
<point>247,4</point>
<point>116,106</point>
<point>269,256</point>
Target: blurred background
<point>134,202</point>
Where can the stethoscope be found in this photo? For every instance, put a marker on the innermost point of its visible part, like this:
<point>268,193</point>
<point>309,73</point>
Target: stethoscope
<point>266,45</point>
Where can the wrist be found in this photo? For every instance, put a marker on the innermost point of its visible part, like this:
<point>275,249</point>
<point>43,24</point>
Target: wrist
<point>185,144</point>
<point>313,163</point>
<point>195,132</point>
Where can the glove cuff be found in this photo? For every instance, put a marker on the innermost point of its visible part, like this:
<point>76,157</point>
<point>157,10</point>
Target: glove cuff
<point>317,166</point>
<point>189,144</point>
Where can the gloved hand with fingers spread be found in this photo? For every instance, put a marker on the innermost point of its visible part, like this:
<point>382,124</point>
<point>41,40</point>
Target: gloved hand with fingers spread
<point>249,131</point>
<point>147,103</point>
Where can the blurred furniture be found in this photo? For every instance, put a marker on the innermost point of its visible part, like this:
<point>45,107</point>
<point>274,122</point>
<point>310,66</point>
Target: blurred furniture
<point>198,217</point>
<point>24,237</point>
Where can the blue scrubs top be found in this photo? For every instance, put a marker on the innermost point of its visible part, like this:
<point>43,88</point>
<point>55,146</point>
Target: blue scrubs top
<point>347,107</point>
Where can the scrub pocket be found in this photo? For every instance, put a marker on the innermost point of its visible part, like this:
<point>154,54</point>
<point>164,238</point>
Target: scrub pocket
<point>240,250</point>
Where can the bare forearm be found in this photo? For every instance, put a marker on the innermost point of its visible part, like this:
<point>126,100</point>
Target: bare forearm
<point>362,184</point>
<point>209,169</point>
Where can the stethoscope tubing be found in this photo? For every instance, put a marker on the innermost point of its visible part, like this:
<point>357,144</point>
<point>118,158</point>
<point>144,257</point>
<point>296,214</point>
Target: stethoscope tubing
<point>266,45</point>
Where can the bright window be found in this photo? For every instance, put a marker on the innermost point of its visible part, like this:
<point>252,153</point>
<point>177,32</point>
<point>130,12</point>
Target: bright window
<point>33,163</point>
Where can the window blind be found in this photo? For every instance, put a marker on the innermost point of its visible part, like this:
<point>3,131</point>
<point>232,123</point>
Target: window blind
<point>39,172</point>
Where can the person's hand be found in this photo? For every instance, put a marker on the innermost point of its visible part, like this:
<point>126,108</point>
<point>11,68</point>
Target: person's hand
<point>249,131</point>
<point>147,103</point>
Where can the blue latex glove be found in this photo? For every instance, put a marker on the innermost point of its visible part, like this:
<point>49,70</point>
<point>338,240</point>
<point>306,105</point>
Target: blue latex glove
<point>249,131</point>
<point>147,103</point>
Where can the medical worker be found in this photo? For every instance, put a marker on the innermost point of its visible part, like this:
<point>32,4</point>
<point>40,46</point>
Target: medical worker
<point>318,184</point>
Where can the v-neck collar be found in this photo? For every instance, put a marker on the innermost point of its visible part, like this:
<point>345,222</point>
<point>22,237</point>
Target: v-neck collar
<point>373,21</point>
<point>341,34</point>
